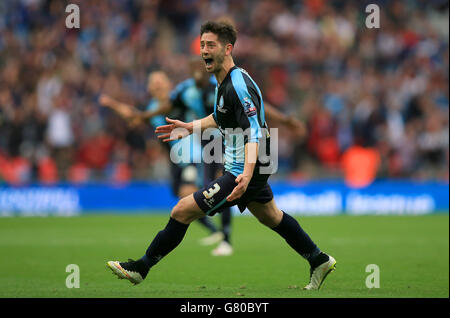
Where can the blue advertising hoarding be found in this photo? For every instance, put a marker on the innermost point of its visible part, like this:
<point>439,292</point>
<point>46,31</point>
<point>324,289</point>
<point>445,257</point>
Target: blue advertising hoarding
<point>312,198</point>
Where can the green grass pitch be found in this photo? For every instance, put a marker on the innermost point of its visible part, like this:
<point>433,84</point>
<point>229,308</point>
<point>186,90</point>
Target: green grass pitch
<point>412,253</point>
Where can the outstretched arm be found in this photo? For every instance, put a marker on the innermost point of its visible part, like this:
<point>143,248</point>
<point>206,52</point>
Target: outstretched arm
<point>165,106</point>
<point>291,122</point>
<point>131,113</point>
<point>178,129</point>
<point>124,110</point>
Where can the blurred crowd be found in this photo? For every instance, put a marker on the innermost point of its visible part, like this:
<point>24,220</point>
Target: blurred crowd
<point>383,89</point>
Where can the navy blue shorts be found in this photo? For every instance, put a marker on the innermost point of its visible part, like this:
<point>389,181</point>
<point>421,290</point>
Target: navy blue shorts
<point>213,197</point>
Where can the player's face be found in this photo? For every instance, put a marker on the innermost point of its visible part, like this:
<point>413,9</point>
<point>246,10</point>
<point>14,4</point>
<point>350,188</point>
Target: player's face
<point>212,51</point>
<point>157,82</point>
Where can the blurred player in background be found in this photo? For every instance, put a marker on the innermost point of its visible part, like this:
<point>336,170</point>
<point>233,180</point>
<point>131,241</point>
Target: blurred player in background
<point>238,105</point>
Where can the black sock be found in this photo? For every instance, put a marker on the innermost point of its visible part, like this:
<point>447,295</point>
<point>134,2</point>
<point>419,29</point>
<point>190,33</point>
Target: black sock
<point>226,224</point>
<point>208,224</point>
<point>294,235</point>
<point>164,242</point>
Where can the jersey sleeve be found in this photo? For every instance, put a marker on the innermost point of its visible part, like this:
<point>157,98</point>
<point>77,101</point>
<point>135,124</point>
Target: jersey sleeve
<point>245,104</point>
<point>150,106</point>
<point>175,96</point>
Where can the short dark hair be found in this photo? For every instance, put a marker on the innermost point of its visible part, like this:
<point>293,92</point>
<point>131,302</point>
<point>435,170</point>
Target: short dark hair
<point>225,31</point>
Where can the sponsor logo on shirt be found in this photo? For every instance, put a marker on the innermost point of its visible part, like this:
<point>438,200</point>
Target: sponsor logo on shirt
<point>220,106</point>
<point>249,108</point>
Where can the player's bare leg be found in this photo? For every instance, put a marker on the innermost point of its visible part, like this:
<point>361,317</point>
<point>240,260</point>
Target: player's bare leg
<point>267,213</point>
<point>286,226</point>
<point>185,212</point>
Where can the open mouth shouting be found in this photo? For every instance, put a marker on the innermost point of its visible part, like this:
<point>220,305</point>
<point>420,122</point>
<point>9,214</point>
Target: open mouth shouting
<point>209,63</point>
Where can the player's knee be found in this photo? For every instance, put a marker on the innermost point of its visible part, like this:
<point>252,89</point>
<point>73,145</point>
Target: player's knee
<point>269,218</point>
<point>179,212</point>
<point>182,212</point>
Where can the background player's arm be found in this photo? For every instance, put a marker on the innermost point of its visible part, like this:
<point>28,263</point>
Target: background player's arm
<point>291,122</point>
<point>123,109</point>
<point>164,108</point>
<point>131,113</point>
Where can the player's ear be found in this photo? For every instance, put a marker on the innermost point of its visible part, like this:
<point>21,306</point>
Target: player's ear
<point>228,49</point>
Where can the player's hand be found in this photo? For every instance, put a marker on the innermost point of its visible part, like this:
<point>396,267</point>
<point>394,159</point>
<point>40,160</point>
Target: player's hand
<point>134,122</point>
<point>297,127</point>
<point>122,109</point>
<point>240,189</point>
<point>162,95</point>
<point>105,100</point>
<point>177,129</point>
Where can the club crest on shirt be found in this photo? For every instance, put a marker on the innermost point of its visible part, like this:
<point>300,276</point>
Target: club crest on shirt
<point>220,106</point>
<point>249,108</point>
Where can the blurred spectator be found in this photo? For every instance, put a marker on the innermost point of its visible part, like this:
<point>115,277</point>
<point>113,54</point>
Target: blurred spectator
<point>360,165</point>
<point>60,136</point>
<point>313,59</point>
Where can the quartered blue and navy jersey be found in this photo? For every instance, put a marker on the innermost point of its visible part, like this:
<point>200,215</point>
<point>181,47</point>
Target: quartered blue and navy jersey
<point>189,103</point>
<point>239,114</point>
